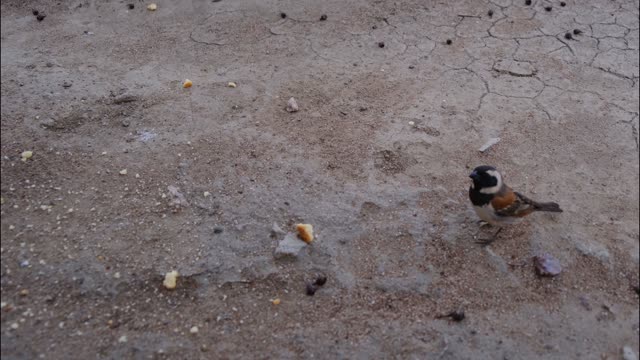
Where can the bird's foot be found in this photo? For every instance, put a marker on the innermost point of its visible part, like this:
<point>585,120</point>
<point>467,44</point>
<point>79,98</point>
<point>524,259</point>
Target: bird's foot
<point>488,241</point>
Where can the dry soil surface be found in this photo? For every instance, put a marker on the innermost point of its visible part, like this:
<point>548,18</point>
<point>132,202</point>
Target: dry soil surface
<point>391,118</point>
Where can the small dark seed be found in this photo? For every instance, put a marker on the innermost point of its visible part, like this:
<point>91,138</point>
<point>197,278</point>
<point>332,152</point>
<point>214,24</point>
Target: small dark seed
<point>548,8</point>
<point>411,67</point>
<point>40,17</point>
<point>218,230</point>
<point>130,6</point>
<point>381,44</point>
<point>311,289</point>
<point>577,31</point>
<point>568,36</point>
<point>321,280</point>
<point>490,13</point>
<point>527,2</point>
<point>35,12</point>
<point>323,17</point>
<point>457,315</point>
<point>283,15</point>
<point>449,41</point>
<point>563,4</point>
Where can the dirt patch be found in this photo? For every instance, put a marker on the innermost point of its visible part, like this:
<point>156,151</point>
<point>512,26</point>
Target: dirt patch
<point>376,158</point>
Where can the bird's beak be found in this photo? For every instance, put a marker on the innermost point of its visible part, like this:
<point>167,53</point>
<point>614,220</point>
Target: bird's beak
<point>473,175</point>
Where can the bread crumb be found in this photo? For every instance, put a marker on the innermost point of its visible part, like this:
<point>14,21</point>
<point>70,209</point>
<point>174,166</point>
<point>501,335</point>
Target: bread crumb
<point>305,232</point>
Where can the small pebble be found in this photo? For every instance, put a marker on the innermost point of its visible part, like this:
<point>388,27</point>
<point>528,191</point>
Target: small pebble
<point>123,339</point>
<point>449,41</point>
<point>123,172</point>
<point>24,292</point>
<point>14,326</point>
<point>194,330</point>
<point>152,7</point>
<point>323,17</point>
<point>206,194</point>
<point>275,301</point>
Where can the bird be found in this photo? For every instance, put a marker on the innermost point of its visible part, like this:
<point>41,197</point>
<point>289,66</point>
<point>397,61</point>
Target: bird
<point>497,204</point>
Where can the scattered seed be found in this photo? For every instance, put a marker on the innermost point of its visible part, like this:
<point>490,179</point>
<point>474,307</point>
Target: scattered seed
<point>449,41</point>
<point>490,13</point>
<point>311,289</point>
<point>187,84</point>
<point>275,301</point>
<point>548,8</point>
<point>123,172</point>
<point>568,36</point>
<point>231,84</point>
<point>152,7</point>
<point>194,330</point>
<point>283,15</point>
<point>130,6</point>
<point>35,12</point>
<point>323,17</point>
<point>381,44</point>
<point>457,315</point>
<point>320,280</point>
<point>40,17</point>
<point>563,4</point>
<point>527,2</point>
<point>577,31</point>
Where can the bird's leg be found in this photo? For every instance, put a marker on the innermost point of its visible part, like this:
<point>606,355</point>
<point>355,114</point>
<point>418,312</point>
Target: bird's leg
<point>487,241</point>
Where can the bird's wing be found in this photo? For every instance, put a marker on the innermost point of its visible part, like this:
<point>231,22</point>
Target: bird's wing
<point>509,203</point>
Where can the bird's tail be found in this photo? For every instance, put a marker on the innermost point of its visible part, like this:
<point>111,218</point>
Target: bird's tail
<point>547,206</point>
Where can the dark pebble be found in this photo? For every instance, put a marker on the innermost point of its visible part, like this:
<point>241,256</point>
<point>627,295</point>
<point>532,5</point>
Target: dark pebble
<point>411,67</point>
<point>311,289</point>
<point>363,109</point>
<point>490,13</point>
<point>577,31</point>
<point>323,17</point>
<point>35,12</point>
<point>130,6</point>
<point>527,2</point>
<point>449,41</point>
<point>568,36</point>
<point>320,280</point>
<point>563,4</point>
<point>40,17</point>
<point>125,123</point>
<point>283,15</point>
<point>381,44</point>
<point>218,230</point>
<point>548,8</point>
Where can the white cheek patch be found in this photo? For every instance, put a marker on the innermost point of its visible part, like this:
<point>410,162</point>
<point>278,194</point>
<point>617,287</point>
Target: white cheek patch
<point>494,189</point>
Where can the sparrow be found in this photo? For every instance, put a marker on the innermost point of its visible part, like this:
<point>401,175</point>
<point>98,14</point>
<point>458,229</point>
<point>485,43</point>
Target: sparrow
<point>497,204</point>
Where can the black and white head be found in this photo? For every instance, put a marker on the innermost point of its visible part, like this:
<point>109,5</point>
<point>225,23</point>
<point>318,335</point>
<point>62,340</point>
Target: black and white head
<point>486,179</point>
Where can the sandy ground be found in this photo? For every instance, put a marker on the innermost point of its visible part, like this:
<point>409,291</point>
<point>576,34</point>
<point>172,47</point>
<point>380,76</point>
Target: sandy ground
<point>376,159</point>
